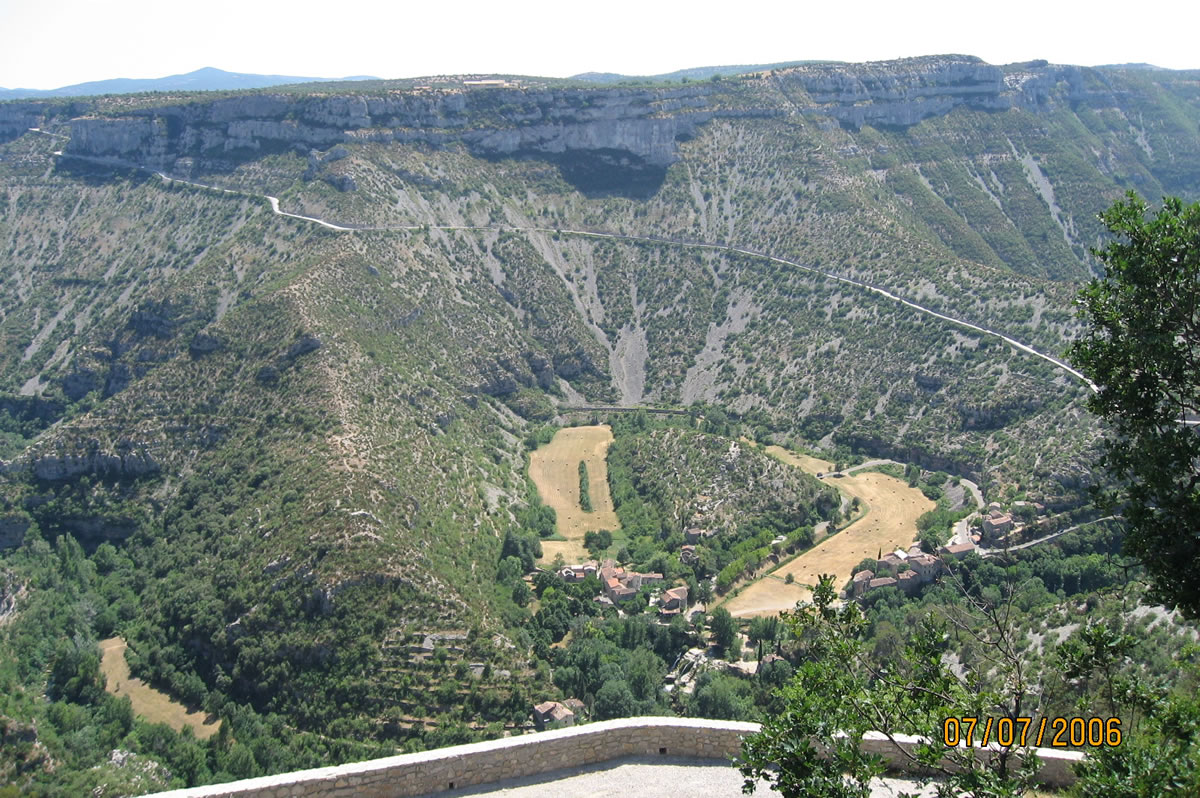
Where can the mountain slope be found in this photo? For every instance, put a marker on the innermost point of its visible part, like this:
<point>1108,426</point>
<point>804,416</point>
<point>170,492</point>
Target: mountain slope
<point>309,440</point>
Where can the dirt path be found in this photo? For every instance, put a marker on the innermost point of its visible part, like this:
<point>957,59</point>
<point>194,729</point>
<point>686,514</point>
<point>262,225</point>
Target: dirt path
<point>890,523</point>
<point>152,705</point>
<point>554,469</point>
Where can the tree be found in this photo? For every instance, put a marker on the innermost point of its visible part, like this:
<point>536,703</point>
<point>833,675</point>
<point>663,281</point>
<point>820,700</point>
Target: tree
<point>839,692</point>
<point>526,548</point>
<point>597,541</point>
<point>764,629</point>
<point>724,629</point>
<point>75,672</point>
<point>585,496</point>
<point>723,697</point>
<point>614,699</point>
<point>1141,350</point>
<point>521,594</point>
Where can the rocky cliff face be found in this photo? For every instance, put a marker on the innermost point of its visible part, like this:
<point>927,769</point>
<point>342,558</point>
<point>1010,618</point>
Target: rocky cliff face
<point>631,129</point>
<point>902,93</point>
<point>16,118</point>
<point>129,461</point>
<point>642,125</point>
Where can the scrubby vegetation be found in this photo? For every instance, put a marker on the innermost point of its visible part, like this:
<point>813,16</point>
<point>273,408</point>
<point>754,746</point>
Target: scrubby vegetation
<point>288,464</point>
<point>668,479</point>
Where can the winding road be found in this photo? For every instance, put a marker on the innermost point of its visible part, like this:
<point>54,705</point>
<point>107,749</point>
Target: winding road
<point>274,204</point>
<point>989,552</point>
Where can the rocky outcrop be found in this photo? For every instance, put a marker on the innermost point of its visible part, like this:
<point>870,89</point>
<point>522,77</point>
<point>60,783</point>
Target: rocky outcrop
<point>570,365</point>
<point>928,382</point>
<point>902,93</point>
<point>150,320</point>
<point>79,383</point>
<point>203,344</point>
<point>591,132</point>
<point>542,368</point>
<point>129,463</point>
<point>505,376</point>
<point>100,529</point>
<point>32,408</point>
<point>119,377</point>
<point>16,118</point>
<point>644,124</point>
<point>267,375</point>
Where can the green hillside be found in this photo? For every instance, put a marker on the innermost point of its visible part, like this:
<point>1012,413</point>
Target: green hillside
<point>289,453</point>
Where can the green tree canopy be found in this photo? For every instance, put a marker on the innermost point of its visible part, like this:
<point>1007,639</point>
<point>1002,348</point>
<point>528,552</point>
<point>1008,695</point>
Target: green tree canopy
<point>724,629</point>
<point>1141,349</point>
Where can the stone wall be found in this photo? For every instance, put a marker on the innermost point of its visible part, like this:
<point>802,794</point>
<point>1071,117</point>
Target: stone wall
<point>1055,768</point>
<point>533,754</point>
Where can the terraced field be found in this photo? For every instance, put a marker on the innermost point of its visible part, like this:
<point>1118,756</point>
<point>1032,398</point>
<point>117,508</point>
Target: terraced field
<point>554,469</point>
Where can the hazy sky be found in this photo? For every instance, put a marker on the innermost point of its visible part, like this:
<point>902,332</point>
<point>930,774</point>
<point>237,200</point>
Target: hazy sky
<point>70,41</point>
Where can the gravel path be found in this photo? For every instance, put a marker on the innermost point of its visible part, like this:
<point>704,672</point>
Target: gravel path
<point>645,777</point>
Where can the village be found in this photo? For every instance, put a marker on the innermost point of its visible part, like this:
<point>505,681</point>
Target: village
<point>875,528</point>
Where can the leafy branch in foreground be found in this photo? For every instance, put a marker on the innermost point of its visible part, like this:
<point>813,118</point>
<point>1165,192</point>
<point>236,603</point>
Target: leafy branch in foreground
<point>814,747</point>
<point>1142,351</point>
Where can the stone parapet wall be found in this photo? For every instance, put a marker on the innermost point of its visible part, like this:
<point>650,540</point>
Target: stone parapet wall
<point>534,754</point>
<point>481,763</point>
<point>1054,764</point>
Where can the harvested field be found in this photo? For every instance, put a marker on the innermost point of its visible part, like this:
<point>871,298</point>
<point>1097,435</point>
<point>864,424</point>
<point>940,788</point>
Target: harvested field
<point>890,524</point>
<point>554,469</point>
<point>153,706</point>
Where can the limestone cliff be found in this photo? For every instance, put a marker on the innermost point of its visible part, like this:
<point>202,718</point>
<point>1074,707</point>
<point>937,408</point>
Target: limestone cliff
<point>902,93</point>
<point>16,118</point>
<point>641,125</point>
<point>632,129</point>
<point>129,461</point>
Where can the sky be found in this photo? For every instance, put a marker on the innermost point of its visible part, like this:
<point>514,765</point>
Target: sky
<point>71,41</point>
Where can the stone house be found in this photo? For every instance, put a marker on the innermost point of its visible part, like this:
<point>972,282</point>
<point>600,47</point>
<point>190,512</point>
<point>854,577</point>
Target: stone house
<point>908,581</point>
<point>926,566</point>
<point>673,601</point>
<point>958,550</point>
<point>860,582</point>
<point>997,524</point>
<point>552,715</point>
<point>577,573</point>
<point>619,584</point>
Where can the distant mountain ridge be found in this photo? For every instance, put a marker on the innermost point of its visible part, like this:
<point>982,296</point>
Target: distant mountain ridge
<point>206,79</point>
<point>707,72</point>
<point>692,73</point>
<point>213,79</point>
<point>302,406</point>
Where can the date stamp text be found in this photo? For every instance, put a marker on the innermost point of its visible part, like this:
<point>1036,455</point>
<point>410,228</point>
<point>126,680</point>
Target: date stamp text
<point>1075,732</point>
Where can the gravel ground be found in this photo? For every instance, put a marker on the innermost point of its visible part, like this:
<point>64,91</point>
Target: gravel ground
<point>645,777</point>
